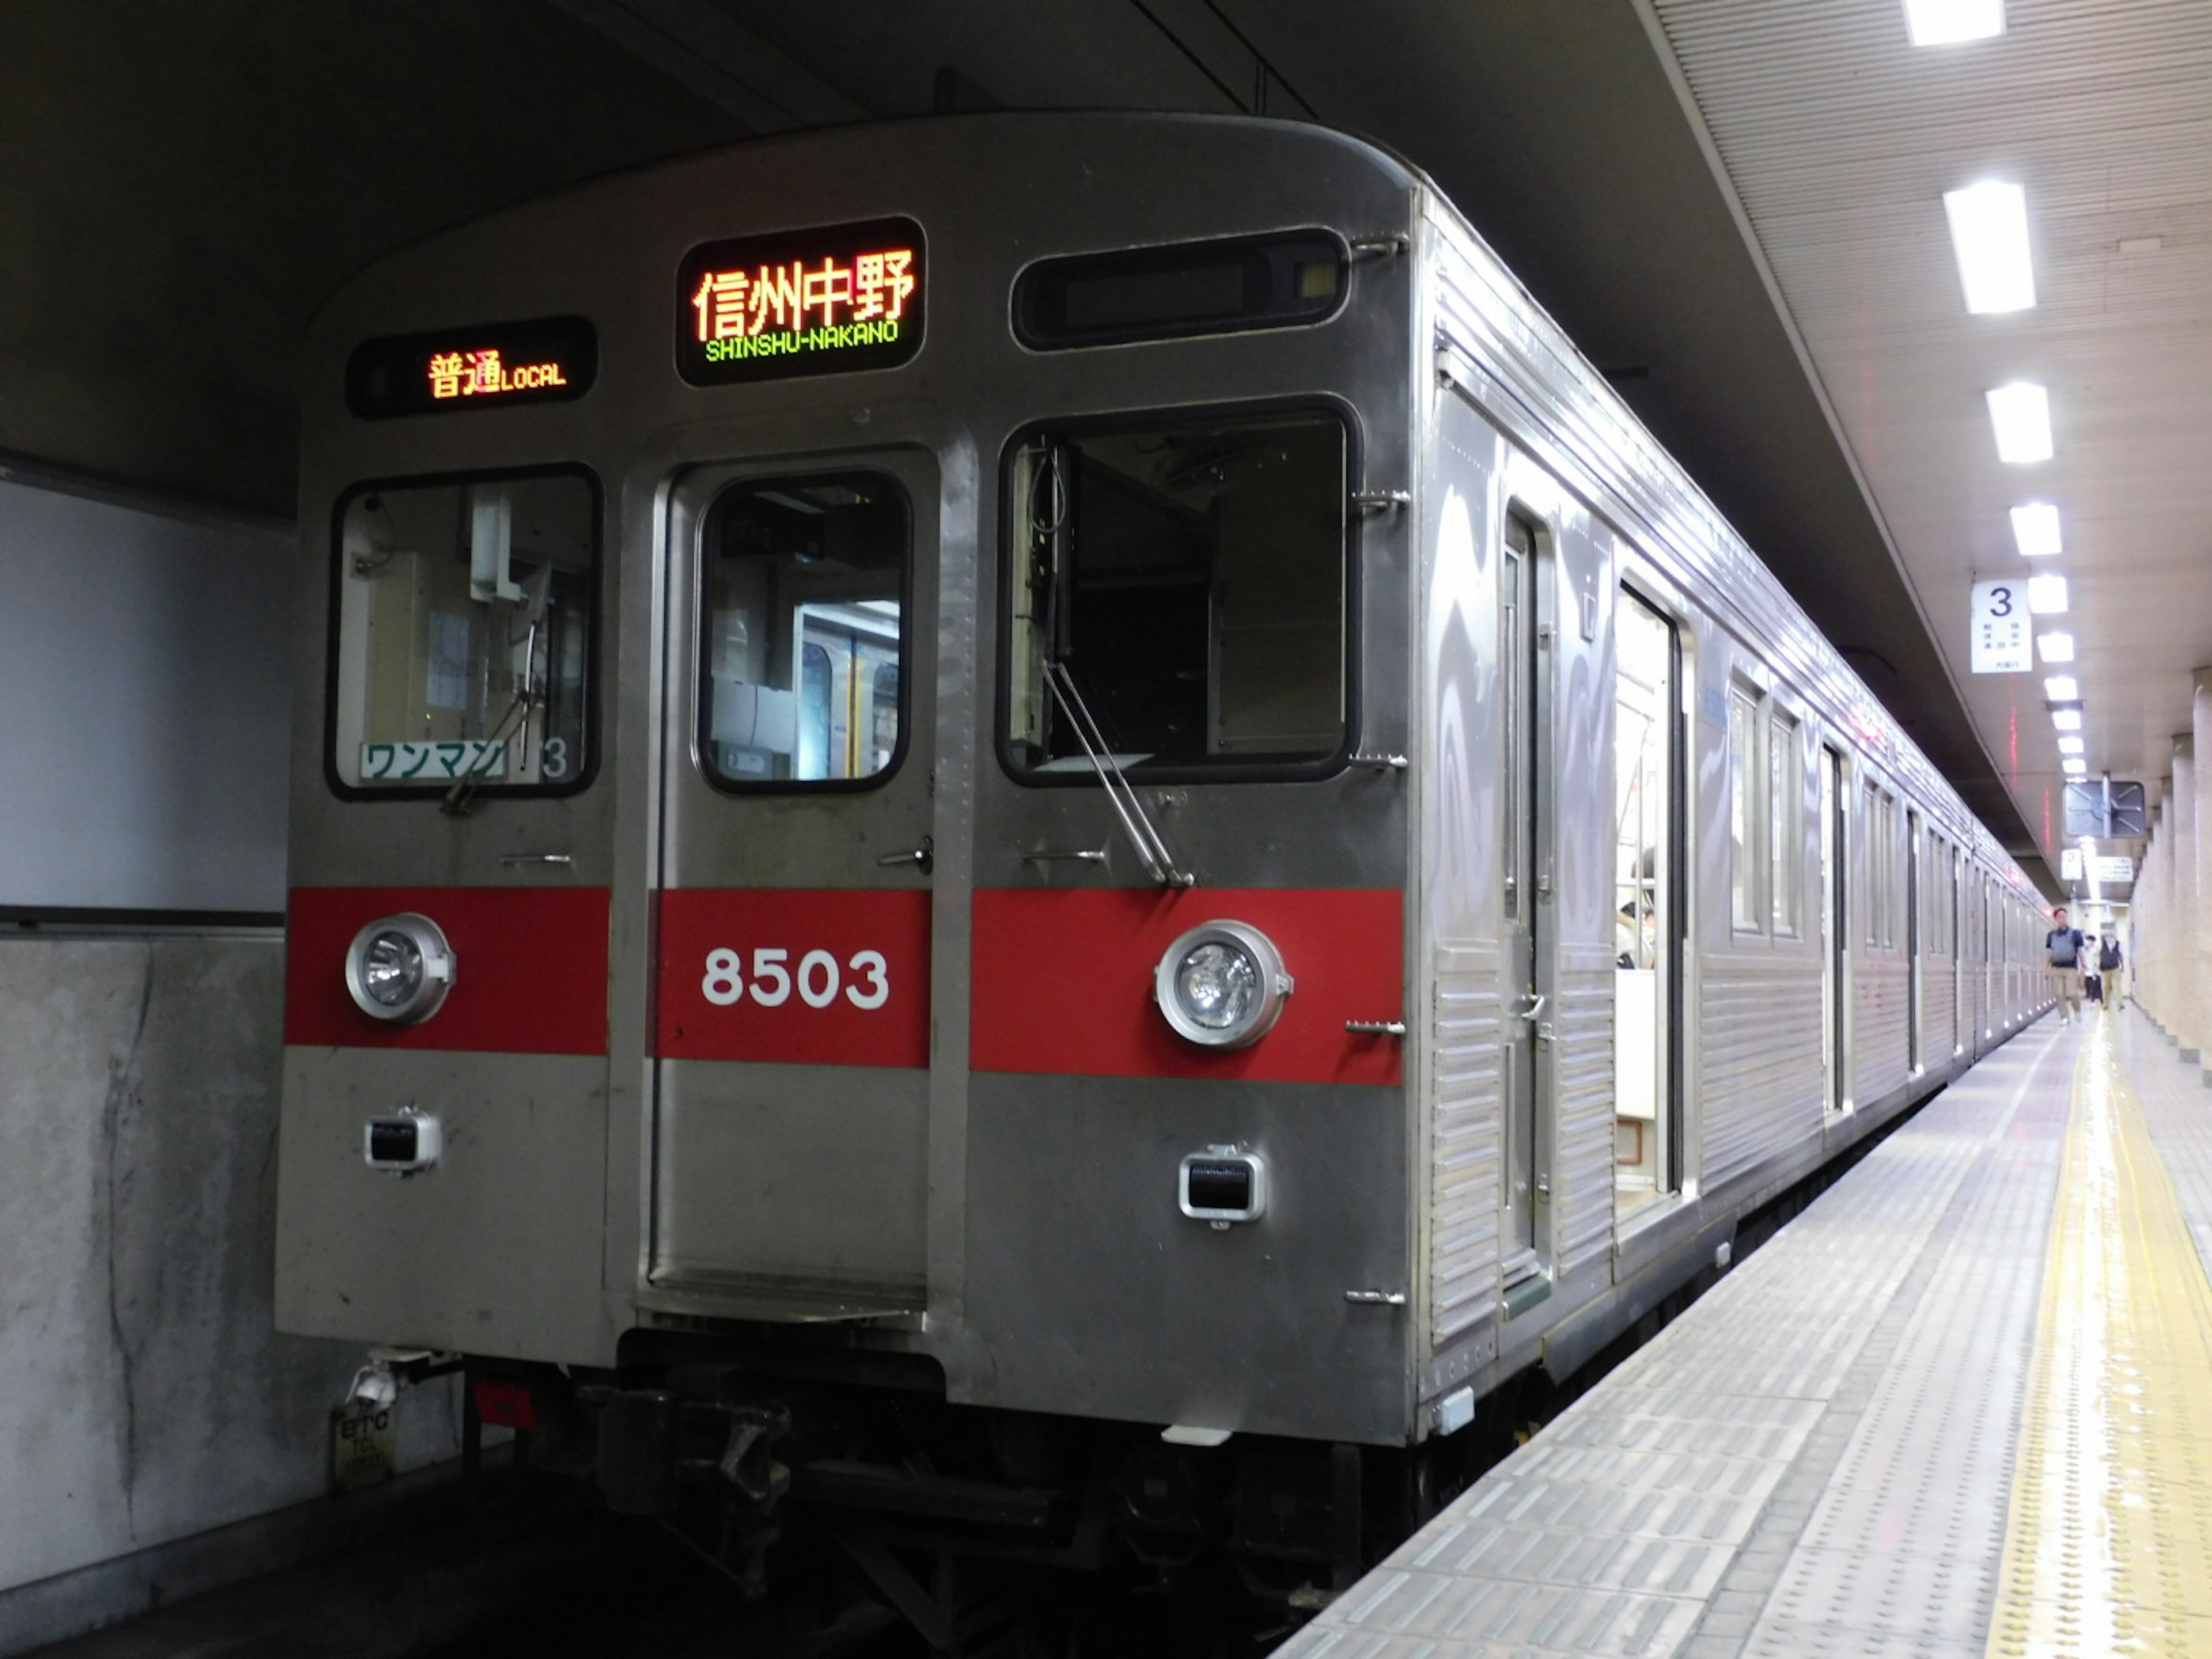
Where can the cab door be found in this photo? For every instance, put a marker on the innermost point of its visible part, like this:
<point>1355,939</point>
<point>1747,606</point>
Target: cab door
<point>1524,686</point>
<point>790,1129</point>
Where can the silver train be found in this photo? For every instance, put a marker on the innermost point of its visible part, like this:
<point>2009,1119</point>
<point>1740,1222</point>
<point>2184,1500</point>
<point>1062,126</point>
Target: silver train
<point>977,843</point>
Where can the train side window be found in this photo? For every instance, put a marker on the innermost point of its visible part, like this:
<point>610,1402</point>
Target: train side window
<point>1785,788</point>
<point>1746,842</point>
<point>464,635</point>
<point>804,615</point>
<point>1180,590</point>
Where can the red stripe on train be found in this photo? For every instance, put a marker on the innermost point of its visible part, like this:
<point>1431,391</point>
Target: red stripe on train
<point>1063,982</point>
<point>529,978</point>
<point>805,976</point>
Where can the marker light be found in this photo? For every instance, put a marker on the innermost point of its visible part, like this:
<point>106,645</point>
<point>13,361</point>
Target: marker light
<point>2067,720</point>
<point>399,968</point>
<point>2055,647</point>
<point>2046,595</point>
<point>1988,234</point>
<point>1222,985</point>
<point>2062,688</point>
<point>1945,22</point>
<point>2070,745</point>
<point>2019,414</point>
<point>2075,768</point>
<point>2035,529</point>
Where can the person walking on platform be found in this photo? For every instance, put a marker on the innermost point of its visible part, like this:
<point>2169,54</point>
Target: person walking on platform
<point>2112,964</point>
<point>2064,944</point>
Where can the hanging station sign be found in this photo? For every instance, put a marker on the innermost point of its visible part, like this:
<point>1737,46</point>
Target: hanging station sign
<point>824,301</point>
<point>542,361</point>
<point>2001,644</point>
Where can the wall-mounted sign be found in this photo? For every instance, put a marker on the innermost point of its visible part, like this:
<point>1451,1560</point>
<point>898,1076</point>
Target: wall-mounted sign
<point>801,302</point>
<point>2001,644</point>
<point>542,361</point>
<point>2117,872</point>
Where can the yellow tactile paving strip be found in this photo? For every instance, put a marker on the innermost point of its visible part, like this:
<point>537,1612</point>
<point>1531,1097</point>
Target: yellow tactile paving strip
<point>2108,1550</point>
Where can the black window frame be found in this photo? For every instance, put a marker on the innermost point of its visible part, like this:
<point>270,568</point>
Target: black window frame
<point>1331,765</point>
<point>702,675</point>
<point>594,723</point>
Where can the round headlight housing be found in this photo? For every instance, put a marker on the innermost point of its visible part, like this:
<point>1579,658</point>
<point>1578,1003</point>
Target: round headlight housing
<point>400,968</point>
<point>1222,985</point>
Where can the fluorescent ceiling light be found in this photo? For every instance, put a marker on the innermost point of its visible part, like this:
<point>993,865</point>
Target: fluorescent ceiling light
<point>2061,688</point>
<point>2019,414</point>
<point>1945,22</point>
<point>2075,768</point>
<point>2067,720</point>
<point>2035,528</point>
<point>2046,595</point>
<point>2055,647</point>
<point>2070,745</point>
<point>1989,232</point>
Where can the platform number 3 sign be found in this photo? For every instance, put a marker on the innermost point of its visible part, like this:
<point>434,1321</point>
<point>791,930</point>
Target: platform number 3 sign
<point>2001,644</point>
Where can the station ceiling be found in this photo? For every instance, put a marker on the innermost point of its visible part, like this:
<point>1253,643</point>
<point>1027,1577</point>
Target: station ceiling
<point>1735,210</point>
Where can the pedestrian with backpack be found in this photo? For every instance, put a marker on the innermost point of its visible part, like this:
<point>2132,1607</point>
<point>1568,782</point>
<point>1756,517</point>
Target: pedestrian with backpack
<point>2063,945</point>
<point>2113,966</point>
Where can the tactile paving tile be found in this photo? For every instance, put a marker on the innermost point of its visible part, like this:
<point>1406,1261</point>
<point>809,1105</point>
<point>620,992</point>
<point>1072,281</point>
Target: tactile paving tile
<point>2179,1108</point>
<point>1659,1513</point>
<point>2110,1543</point>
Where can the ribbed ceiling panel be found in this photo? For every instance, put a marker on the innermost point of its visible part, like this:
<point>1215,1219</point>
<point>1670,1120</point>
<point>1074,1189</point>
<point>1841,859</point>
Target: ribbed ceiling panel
<point>1839,138</point>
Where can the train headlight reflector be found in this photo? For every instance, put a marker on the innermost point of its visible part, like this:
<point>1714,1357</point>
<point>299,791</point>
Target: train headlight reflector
<point>1222,985</point>
<point>399,968</point>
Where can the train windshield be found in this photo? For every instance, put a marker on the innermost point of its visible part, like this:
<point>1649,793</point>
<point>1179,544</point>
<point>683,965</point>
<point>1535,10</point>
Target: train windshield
<point>464,634</point>
<point>1178,592</point>
<point>803,658</point>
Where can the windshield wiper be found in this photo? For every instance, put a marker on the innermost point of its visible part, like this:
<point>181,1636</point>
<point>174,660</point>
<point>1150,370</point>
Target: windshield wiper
<point>1152,851</point>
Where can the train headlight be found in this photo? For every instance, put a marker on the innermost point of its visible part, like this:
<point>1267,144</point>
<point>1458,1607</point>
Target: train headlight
<point>399,968</point>
<point>1222,985</point>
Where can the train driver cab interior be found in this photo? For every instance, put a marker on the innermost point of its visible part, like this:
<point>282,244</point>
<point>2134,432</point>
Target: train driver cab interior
<point>1179,597</point>
<point>464,635</point>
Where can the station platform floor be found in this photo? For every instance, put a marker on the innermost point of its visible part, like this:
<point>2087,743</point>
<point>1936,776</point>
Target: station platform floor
<point>1962,1406</point>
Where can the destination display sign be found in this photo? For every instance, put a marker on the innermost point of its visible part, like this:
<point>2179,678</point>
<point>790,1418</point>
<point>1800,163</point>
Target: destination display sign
<point>541,360</point>
<point>827,301</point>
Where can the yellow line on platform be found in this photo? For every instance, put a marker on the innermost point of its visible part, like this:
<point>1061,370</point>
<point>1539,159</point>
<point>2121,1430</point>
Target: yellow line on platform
<point>2108,1548</point>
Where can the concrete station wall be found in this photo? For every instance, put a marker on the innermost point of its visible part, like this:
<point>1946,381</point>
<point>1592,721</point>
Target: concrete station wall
<point>145,1399</point>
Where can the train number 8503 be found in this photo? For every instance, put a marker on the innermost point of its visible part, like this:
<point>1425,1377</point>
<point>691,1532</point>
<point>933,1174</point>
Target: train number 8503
<point>818,980</point>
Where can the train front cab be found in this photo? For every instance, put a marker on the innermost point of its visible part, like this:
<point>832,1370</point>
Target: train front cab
<point>820,917</point>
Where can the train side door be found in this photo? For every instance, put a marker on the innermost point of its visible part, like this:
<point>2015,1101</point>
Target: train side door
<point>1914,1018</point>
<point>791,1122</point>
<point>1524,663</point>
<point>1835,924</point>
<point>1647,932</point>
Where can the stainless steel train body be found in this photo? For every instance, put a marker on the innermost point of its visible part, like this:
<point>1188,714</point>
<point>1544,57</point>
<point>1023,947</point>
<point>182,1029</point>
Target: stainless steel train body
<point>1608,902</point>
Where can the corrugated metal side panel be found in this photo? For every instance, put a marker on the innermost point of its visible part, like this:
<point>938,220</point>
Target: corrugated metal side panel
<point>1880,988</point>
<point>1464,1156</point>
<point>1939,1009</point>
<point>1760,1074</point>
<point>1557,405</point>
<point>1582,1170</point>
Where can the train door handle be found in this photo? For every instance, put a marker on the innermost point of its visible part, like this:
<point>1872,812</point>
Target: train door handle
<point>919,857</point>
<point>1536,1001</point>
